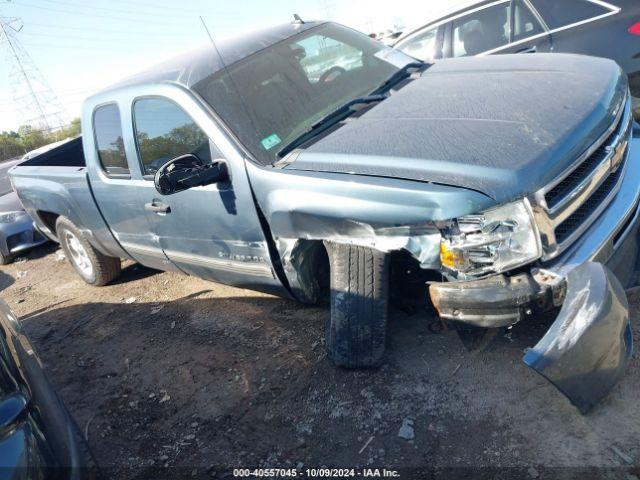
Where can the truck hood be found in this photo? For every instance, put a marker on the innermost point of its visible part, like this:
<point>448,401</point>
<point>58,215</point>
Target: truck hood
<point>502,125</point>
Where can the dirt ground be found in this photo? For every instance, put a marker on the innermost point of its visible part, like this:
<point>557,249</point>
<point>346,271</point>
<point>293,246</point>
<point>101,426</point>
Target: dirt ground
<point>171,376</point>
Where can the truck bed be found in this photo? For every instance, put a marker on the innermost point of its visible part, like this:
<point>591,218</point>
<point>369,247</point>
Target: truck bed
<point>70,154</point>
<point>56,184</point>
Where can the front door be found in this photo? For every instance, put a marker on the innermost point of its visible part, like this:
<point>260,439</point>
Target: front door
<point>212,232</point>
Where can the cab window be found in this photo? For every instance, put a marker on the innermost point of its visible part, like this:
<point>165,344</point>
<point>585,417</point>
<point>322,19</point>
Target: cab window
<point>567,12</point>
<point>481,31</point>
<point>164,131</point>
<point>109,142</point>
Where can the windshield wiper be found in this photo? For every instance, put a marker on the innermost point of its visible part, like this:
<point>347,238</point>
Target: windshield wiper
<point>397,77</point>
<point>329,120</point>
<point>345,110</point>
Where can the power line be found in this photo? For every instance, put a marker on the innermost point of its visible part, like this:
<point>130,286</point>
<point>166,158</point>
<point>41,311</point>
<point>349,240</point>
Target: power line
<point>94,39</point>
<point>116,10</point>
<point>154,7</point>
<point>93,15</point>
<point>97,30</point>
<point>33,98</point>
<point>79,48</point>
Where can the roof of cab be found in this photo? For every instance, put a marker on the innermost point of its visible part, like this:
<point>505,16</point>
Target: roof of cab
<point>191,67</point>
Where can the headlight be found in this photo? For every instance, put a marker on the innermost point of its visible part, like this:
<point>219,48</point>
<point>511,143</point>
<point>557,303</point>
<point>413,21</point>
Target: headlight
<point>9,217</point>
<point>497,240</point>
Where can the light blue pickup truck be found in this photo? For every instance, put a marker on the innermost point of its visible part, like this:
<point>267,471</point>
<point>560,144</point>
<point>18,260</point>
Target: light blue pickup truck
<point>309,160</point>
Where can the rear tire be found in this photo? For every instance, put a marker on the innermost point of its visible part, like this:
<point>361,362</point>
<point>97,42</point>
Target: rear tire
<point>94,267</point>
<point>357,328</point>
<point>5,260</point>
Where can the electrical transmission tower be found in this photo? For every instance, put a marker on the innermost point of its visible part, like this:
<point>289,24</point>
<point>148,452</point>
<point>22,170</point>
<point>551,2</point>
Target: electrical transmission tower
<point>35,101</point>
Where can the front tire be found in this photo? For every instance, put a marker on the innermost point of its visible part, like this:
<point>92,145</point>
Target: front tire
<point>357,328</point>
<point>93,266</point>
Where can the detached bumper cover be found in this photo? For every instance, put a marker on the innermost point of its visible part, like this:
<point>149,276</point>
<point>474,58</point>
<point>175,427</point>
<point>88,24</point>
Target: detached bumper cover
<point>587,349</point>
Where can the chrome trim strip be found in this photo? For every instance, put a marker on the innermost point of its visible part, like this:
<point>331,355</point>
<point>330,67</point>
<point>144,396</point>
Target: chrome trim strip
<point>615,153</point>
<point>257,269</point>
<point>596,213</point>
<point>444,20</point>
<point>548,219</point>
<point>134,248</point>
<point>597,242</point>
<point>614,11</point>
<point>633,211</point>
<point>624,107</point>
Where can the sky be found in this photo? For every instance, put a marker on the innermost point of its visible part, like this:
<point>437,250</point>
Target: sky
<point>82,46</point>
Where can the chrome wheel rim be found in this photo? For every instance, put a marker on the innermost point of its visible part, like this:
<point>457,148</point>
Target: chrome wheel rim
<point>79,254</point>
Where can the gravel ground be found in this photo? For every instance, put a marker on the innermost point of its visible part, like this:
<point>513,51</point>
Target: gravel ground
<point>172,376</point>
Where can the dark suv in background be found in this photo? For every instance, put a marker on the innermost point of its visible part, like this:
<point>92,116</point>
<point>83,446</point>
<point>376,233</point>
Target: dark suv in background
<point>589,27</point>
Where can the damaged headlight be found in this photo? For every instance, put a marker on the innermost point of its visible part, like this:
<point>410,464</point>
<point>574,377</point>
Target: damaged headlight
<point>494,241</point>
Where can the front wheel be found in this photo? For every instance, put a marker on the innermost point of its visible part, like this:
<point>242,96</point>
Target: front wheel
<point>357,327</point>
<point>94,267</point>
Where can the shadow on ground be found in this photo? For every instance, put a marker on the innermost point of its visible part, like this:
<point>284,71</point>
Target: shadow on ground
<point>207,383</point>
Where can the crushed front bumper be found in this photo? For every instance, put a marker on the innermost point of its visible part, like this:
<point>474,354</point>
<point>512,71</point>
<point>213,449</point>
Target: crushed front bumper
<point>586,350</point>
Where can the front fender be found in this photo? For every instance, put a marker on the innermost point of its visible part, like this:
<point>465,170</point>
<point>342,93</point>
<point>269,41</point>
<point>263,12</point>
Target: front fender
<point>588,347</point>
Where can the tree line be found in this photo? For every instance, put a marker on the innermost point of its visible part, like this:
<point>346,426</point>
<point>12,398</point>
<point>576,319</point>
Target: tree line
<point>16,143</point>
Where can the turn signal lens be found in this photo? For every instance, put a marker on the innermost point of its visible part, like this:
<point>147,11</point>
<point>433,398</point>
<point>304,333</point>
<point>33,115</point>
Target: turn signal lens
<point>448,257</point>
<point>635,29</point>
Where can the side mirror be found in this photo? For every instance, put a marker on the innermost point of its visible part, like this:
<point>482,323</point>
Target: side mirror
<point>188,171</point>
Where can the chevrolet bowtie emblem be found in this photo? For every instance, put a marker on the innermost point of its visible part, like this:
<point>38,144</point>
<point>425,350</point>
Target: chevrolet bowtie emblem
<point>618,155</point>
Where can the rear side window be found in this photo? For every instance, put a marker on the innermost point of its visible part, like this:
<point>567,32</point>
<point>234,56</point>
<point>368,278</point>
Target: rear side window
<point>481,31</point>
<point>567,12</point>
<point>164,132</point>
<point>525,23</point>
<point>421,45</point>
<point>108,134</point>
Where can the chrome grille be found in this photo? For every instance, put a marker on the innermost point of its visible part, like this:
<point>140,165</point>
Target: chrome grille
<point>565,208</point>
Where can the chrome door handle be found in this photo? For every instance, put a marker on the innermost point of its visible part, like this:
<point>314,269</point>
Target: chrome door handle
<point>157,207</point>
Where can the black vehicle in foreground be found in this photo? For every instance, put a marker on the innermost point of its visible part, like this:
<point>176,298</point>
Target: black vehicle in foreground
<point>38,437</point>
<point>589,27</point>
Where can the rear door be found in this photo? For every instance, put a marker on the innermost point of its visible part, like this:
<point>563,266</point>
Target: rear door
<point>212,232</point>
<point>529,33</point>
<point>508,26</point>
<point>583,26</point>
<point>115,186</point>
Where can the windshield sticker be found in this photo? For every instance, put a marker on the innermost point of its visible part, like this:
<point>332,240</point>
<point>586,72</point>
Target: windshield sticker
<point>270,142</point>
<point>394,57</point>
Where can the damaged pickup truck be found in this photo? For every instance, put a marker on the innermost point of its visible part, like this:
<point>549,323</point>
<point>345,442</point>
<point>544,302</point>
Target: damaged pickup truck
<point>308,159</point>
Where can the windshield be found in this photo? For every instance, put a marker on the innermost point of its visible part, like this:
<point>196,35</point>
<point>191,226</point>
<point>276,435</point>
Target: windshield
<point>287,87</point>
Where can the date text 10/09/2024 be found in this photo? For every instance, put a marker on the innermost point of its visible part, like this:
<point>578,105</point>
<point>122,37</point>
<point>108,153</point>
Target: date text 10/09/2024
<point>316,473</point>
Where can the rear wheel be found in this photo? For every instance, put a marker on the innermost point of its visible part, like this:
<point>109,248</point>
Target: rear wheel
<point>5,259</point>
<point>357,327</point>
<point>94,267</point>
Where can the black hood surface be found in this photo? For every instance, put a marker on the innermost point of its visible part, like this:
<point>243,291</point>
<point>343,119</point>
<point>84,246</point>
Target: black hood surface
<point>503,125</point>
